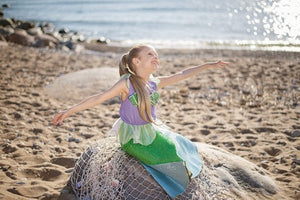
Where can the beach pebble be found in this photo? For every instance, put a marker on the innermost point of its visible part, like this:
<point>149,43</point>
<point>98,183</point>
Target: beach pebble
<point>296,161</point>
<point>293,165</point>
<point>205,132</point>
<point>71,139</point>
<point>17,116</point>
<point>77,140</point>
<point>57,149</point>
<point>295,133</point>
<point>264,164</point>
<point>259,119</point>
<point>272,151</point>
<point>36,146</point>
<point>71,129</point>
<point>5,168</point>
<point>37,130</point>
<point>282,160</point>
<point>87,136</point>
<point>59,139</point>
<point>69,170</point>
<point>9,148</point>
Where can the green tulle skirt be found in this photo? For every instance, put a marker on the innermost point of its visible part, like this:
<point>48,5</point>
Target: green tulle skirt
<point>170,158</point>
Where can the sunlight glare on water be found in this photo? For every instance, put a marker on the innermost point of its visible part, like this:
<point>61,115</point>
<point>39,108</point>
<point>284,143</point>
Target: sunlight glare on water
<point>276,20</point>
<point>267,24</point>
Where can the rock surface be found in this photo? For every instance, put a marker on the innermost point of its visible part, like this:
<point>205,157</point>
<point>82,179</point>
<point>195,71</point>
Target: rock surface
<point>81,84</point>
<point>104,170</point>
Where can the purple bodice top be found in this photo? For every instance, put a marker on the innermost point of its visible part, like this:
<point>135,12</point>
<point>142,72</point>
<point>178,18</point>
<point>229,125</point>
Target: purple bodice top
<point>129,112</point>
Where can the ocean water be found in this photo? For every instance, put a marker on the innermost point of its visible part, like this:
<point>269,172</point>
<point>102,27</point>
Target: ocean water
<point>172,23</point>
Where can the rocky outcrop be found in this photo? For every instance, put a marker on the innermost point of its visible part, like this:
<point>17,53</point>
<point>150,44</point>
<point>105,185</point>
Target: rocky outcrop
<point>43,35</point>
<point>104,170</point>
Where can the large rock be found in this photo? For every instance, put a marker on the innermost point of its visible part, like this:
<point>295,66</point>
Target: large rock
<point>81,84</point>
<point>239,176</point>
<point>35,31</point>
<point>6,22</point>
<point>26,25</point>
<point>45,40</point>
<point>6,31</point>
<point>21,37</point>
<point>104,171</point>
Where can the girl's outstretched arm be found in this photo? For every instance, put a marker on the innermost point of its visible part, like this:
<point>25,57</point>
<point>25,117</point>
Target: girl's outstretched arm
<point>119,88</point>
<point>169,80</point>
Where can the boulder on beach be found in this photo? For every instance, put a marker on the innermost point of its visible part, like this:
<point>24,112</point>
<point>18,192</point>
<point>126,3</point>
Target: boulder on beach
<point>21,37</point>
<point>78,85</point>
<point>35,31</point>
<point>104,171</point>
<point>44,35</point>
<point>45,40</point>
<point>6,31</point>
<point>6,22</point>
<point>26,25</point>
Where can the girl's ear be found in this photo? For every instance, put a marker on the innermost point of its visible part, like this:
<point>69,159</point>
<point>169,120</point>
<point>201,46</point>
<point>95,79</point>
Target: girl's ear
<point>136,61</point>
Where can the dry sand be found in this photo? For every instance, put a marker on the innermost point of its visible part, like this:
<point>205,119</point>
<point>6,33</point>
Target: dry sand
<point>251,109</point>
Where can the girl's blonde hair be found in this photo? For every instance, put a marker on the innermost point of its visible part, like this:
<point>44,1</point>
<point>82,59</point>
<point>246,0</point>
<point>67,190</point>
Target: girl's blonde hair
<point>126,67</point>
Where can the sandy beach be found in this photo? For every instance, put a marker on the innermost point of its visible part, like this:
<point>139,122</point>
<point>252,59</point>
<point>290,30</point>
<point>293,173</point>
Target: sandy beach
<point>250,109</point>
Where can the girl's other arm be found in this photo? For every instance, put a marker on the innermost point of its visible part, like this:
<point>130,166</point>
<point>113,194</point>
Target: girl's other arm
<point>119,88</point>
<point>169,80</point>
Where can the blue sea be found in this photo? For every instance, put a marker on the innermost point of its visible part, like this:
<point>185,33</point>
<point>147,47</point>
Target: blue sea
<point>271,24</point>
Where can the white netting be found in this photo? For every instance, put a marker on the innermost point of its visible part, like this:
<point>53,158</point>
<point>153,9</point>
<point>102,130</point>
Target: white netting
<point>104,171</point>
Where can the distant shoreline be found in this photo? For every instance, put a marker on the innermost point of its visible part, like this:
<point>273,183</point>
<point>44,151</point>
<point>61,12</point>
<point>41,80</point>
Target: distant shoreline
<point>252,45</point>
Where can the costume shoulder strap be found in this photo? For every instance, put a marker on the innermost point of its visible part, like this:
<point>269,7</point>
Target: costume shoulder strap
<point>126,76</point>
<point>155,80</point>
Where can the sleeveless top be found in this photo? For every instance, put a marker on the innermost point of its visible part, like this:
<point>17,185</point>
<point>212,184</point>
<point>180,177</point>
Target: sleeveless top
<point>130,125</point>
<point>129,112</point>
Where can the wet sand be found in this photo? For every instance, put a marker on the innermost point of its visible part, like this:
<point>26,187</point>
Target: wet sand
<point>250,109</point>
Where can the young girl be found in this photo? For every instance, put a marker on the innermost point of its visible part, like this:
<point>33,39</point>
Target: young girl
<point>170,158</point>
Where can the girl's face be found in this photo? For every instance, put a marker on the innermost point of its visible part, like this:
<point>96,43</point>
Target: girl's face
<point>147,60</point>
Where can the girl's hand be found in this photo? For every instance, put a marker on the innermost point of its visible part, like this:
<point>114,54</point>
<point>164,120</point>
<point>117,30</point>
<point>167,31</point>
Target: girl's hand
<point>221,65</point>
<point>60,117</point>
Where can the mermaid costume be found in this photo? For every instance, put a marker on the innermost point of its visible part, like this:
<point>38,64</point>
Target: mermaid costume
<point>170,158</point>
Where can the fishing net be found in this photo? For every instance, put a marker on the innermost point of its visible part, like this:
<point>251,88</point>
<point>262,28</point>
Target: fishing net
<point>105,171</point>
